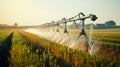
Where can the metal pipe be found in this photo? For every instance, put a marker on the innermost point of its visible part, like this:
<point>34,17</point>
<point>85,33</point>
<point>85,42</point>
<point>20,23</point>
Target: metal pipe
<point>75,18</point>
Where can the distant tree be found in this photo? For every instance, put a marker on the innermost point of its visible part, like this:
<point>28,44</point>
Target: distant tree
<point>15,24</point>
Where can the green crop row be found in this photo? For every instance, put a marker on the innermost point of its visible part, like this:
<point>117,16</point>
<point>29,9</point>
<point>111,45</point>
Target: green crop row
<point>3,36</point>
<point>5,45</point>
<point>69,57</point>
<point>108,44</point>
<point>24,54</point>
<point>104,38</point>
<point>107,39</point>
<point>29,50</point>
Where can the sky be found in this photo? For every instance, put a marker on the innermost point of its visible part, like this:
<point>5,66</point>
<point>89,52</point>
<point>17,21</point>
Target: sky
<point>36,12</point>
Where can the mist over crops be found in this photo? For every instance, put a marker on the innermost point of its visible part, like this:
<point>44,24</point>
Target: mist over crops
<point>38,47</point>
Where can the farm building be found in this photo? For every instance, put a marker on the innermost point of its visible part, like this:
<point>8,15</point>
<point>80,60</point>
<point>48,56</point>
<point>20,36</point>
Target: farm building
<point>110,23</point>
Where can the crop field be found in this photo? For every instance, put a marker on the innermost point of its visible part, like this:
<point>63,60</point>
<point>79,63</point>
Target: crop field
<point>22,48</point>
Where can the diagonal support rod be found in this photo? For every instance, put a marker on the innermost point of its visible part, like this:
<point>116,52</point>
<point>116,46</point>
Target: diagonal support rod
<point>86,37</point>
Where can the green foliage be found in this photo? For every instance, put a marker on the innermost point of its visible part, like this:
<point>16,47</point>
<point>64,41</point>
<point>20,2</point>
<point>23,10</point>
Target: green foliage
<point>70,57</point>
<point>5,45</point>
<point>28,50</point>
<point>3,36</point>
<point>109,39</point>
<point>24,54</point>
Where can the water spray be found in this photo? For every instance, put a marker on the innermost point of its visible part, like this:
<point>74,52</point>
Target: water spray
<point>93,18</point>
<point>64,21</point>
<point>56,31</point>
<point>79,17</point>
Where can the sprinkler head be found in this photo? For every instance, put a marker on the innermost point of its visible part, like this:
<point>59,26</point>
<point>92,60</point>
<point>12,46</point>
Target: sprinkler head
<point>93,17</point>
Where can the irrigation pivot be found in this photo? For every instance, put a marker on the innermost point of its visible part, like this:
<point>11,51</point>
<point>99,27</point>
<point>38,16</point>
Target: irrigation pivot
<point>79,17</point>
<point>93,18</point>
